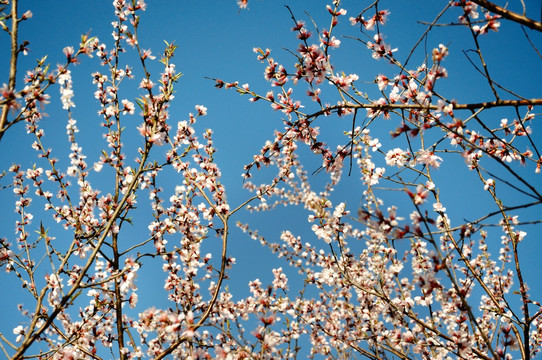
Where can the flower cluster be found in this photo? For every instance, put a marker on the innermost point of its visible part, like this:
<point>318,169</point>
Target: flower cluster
<point>381,267</point>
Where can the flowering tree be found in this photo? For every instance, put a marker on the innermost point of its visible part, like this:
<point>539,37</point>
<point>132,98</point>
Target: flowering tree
<point>377,277</point>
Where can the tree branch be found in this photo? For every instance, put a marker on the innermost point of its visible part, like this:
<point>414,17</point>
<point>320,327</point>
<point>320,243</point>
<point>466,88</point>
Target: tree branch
<point>12,66</point>
<point>510,15</point>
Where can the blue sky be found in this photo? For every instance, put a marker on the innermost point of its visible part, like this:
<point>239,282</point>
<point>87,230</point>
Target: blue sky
<point>215,40</point>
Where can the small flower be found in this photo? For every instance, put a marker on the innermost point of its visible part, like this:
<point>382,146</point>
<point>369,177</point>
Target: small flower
<point>202,110</point>
<point>20,332</point>
<point>128,107</point>
<point>343,81</point>
<point>440,53</point>
<point>27,15</point>
<point>382,81</point>
<point>374,144</point>
<point>421,195</point>
<point>314,94</point>
<point>146,84</point>
<point>397,157</point>
<point>147,54</point>
<point>335,12</point>
<point>438,207</point>
<point>242,4</point>
<point>490,183</point>
<point>68,51</point>
<point>133,300</point>
<point>428,158</point>
<point>380,17</point>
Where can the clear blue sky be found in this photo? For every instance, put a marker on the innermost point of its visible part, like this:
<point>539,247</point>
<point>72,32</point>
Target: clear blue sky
<point>216,40</point>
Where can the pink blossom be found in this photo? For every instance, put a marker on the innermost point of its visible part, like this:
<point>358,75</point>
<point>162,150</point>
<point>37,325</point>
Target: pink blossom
<point>128,107</point>
<point>440,53</point>
<point>68,51</point>
<point>489,183</point>
<point>438,207</point>
<point>242,4</point>
<point>344,82</point>
<point>382,82</point>
<point>27,15</point>
<point>427,157</point>
<point>202,110</point>
<point>397,157</point>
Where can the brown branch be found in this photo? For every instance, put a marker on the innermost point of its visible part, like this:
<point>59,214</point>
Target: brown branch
<point>12,65</point>
<point>118,297</point>
<point>469,106</point>
<point>431,25</point>
<point>482,61</point>
<point>509,230</point>
<point>33,336</point>
<point>530,42</point>
<point>510,15</point>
